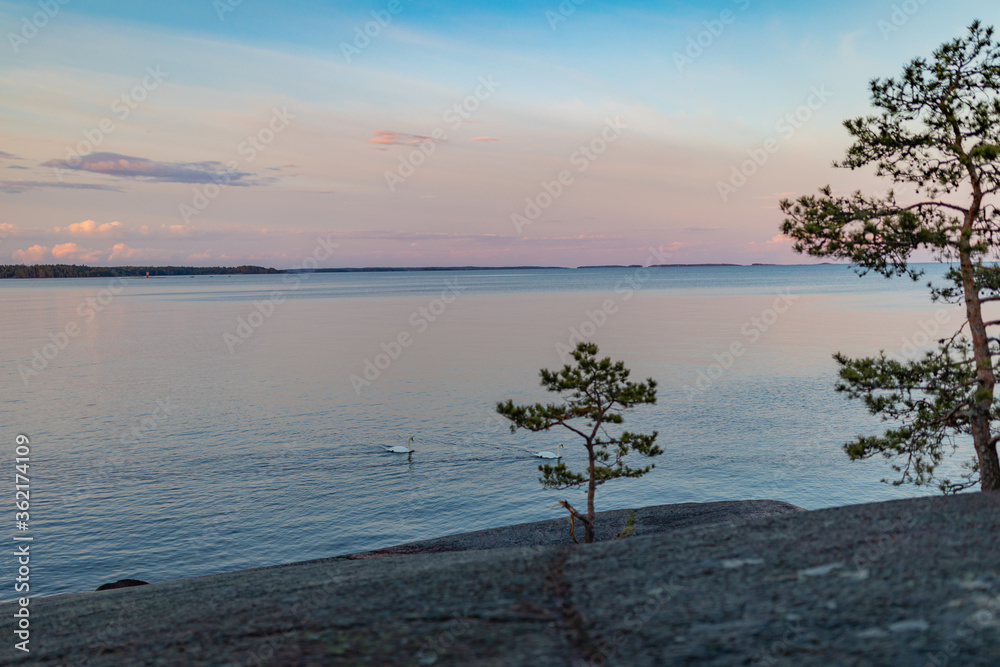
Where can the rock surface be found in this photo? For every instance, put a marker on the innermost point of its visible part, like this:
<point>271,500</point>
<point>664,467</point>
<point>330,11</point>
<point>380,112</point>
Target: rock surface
<point>911,582</point>
<point>648,520</point>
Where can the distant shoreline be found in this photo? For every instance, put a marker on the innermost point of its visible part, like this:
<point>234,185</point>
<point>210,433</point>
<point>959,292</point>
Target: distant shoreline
<point>36,271</point>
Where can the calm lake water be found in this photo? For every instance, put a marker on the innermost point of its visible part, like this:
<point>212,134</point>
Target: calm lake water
<point>194,425</point>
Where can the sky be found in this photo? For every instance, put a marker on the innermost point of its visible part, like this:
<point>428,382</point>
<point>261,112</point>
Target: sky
<point>407,133</point>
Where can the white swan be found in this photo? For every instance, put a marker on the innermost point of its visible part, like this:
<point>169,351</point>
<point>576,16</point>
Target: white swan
<point>550,455</point>
<point>399,449</point>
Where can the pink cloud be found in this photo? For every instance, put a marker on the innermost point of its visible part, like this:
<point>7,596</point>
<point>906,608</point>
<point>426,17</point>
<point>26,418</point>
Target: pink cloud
<point>73,252</point>
<point>91,228</point>
<point>63,249</point>
<point>32,255</point>
<point>485,139</point>
<point>121,252</point>
<point>780,238</point>
<point>394,138</point>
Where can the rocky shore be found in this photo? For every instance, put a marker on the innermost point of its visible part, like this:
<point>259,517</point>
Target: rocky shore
<point>911,582</point>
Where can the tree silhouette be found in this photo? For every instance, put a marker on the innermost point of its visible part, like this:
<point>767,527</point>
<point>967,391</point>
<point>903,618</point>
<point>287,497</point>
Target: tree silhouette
<point>937,133</point>
<point>598,391</point>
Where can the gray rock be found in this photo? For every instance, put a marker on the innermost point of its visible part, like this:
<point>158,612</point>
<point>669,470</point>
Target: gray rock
<point>609,524</point>
<point>911,582</point>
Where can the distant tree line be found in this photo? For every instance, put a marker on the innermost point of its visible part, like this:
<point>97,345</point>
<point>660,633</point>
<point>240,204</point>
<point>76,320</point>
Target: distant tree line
<point>80,271</point>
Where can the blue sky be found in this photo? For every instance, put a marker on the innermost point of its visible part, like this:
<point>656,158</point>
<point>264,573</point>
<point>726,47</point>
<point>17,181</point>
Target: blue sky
<point>238,132</point>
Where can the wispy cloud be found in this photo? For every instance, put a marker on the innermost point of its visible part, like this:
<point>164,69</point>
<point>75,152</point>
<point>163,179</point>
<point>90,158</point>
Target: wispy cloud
<point>17,187</point>
<point>481,239</point>
<point>129,166</point>
<point>402,236</point>
<point>323,191</point>
<point>485,139</point>
<point>4,155</point>
<point>394,138</point>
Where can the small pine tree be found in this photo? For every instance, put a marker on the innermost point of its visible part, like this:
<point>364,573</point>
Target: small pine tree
<point>598,392</point>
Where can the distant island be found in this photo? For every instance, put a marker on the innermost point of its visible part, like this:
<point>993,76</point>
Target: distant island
<point>81,271</point>
<point>504,268</point>
<point>677,265</point>
<point>370,269</point>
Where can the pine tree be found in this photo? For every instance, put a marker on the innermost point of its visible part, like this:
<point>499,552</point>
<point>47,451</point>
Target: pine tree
<point>937,133</point>
<point>598,392</point>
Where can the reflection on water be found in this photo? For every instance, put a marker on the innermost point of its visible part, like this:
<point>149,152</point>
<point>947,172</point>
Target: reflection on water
<point>196,425</point>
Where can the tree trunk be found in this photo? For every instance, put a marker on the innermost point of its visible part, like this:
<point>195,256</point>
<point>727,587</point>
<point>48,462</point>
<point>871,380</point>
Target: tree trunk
<point>982,401</point>
<point>989,468</point>
<point>591,489</point>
